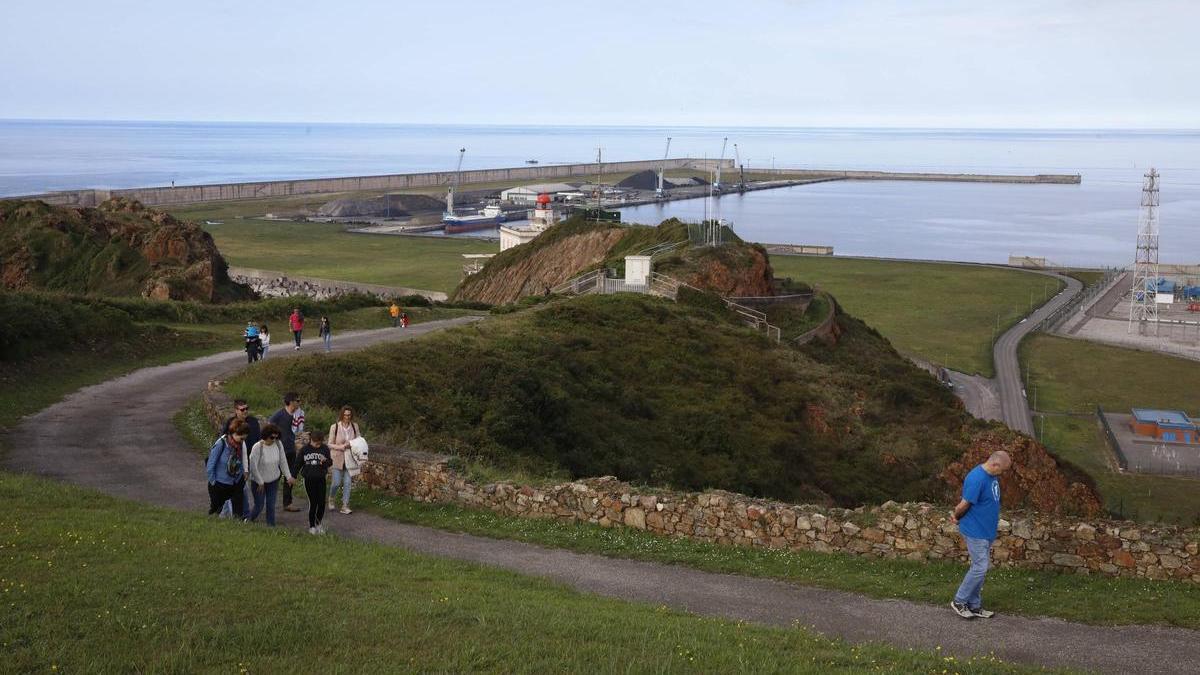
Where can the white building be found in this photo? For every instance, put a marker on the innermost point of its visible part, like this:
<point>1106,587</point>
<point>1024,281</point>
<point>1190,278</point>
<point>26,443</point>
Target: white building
<point>527,194</point>
<point>540,220</point>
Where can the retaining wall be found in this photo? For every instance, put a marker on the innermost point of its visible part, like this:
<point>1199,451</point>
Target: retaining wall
<point>916,531</point>
<point>187,194</point>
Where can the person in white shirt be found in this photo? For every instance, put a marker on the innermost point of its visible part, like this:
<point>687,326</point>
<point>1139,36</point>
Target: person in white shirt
<point>344,430</point>
<point>267,465</point>
<point>264,336</point>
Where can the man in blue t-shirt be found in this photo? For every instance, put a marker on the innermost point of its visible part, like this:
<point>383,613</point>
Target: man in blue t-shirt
<point>977,516</point>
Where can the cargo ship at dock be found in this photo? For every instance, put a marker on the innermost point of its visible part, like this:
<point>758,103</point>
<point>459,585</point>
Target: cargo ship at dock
<point>489,216</point>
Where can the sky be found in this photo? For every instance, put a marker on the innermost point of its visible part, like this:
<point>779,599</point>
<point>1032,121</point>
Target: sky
<point>909,63</point>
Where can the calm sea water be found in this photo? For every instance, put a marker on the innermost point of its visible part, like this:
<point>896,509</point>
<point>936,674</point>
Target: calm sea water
<point>1092,223</point>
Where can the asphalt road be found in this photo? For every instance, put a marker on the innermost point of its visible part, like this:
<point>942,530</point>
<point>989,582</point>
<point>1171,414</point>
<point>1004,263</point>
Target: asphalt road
<point>85,439</point>
<point>1013,404</point>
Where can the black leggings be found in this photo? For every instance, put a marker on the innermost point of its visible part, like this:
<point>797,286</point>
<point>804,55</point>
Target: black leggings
<point>296,335</point>
<point>218,493</point>
<point>315,487</point>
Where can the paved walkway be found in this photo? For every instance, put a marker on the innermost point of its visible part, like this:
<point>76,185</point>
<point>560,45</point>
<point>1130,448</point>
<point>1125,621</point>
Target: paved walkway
<point>1013,402</point>
<point>86,439</point>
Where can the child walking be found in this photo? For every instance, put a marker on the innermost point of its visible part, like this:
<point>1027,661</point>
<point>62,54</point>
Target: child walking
<point>316,464</point>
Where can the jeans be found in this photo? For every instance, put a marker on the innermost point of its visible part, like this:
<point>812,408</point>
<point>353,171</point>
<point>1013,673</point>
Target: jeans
<point>265,349</point>
<point>265,497</point>
<point>315,487</point>
<point>296,334</point>
<point>328,342</point>
<point>340,477</point>
<point>219,493</point>
<point>968,593</point>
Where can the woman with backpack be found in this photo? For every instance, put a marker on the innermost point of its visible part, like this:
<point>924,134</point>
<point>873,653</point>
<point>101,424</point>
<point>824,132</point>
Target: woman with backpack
<point>226,470</point>
<point>344,430</point>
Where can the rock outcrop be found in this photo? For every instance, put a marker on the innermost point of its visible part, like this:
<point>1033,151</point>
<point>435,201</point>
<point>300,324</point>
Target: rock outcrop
<point>117,248</point>
<point>1036,480</point>
<point>534,270</point>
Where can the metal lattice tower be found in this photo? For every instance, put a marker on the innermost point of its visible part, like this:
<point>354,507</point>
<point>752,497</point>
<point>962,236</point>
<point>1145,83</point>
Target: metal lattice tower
<point>1143,308</point>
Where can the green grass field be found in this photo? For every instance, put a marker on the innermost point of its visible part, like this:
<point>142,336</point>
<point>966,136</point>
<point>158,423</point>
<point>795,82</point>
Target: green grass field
<point>101,585</point>
<point>946,314</point>
<point>324,250</point>
<point>1075,376</point>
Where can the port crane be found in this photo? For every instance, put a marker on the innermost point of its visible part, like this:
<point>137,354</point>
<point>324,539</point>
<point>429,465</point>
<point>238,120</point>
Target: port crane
<point>717,184</point>
<point>658,191</point>
<point>454,186</point>
<point>741,169</point>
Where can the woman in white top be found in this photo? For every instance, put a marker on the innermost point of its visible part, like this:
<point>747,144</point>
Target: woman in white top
<point>264,335</point>
<point>268,463</point>
<point>344,430</point>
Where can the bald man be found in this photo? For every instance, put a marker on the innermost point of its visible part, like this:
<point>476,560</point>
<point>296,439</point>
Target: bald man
<point>978,516</point>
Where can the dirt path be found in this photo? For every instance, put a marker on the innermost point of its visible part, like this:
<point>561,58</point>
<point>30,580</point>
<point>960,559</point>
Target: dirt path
<point>118,437</point>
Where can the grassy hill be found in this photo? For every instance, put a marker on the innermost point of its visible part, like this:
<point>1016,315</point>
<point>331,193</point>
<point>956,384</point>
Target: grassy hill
<point>654,392</point>
<point>118,248</point>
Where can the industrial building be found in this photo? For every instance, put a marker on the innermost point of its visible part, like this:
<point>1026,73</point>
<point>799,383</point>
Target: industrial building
<point>1171,426</point>
<point>528,194</point>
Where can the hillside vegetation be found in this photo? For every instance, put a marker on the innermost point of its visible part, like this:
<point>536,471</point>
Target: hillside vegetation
<point>118,248</point>
<point>655,392</point>
<point>575,245</point>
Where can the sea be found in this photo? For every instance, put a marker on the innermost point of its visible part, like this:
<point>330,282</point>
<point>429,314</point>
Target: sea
<point>1090,224</point>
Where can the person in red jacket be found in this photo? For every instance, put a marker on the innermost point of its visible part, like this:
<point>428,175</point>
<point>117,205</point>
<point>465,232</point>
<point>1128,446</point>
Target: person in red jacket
<point>296,320</point>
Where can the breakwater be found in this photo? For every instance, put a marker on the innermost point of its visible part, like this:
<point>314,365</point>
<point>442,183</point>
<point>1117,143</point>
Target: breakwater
<point>1056,178</point>
<point>190,194</point>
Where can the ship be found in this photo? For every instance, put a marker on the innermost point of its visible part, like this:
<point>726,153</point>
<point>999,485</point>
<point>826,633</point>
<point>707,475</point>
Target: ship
<point>483,219</point>
<point>489,216</point>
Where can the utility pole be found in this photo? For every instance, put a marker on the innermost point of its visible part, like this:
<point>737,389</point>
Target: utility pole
<point>1143,306</point>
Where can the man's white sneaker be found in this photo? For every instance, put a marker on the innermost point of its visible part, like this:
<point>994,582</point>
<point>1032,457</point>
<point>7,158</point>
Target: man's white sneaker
<point>312,530</point>
<point>330,506</point>
<point>962,610</point>
<point>320,529</point>
<point>346,510</point>
<point>982,613</point>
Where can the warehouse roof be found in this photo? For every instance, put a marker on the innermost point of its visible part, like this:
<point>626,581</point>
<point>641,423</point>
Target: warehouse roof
<point>1167,417</point>
<point>549,188</point>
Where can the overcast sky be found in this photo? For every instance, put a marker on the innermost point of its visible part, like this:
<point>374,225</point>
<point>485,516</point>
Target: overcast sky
<point>931,63</point>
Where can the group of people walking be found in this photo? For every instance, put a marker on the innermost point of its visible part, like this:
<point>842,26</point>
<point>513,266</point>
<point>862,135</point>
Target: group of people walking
<point>282,452</point>
<point>258,338</point>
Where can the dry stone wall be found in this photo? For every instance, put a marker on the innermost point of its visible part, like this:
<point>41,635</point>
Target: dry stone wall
<point>914,531</point>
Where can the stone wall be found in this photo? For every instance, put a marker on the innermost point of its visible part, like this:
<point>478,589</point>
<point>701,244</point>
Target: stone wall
<point>916,531</point>
<point>272,284</point>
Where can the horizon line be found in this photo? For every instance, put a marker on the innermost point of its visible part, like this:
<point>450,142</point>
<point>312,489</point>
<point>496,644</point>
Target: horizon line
<point>594,125</point>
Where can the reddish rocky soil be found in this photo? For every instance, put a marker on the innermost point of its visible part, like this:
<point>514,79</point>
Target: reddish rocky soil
<point>1035,481</point>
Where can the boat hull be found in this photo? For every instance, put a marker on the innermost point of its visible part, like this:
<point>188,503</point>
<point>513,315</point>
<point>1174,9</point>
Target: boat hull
<point>471,223</point>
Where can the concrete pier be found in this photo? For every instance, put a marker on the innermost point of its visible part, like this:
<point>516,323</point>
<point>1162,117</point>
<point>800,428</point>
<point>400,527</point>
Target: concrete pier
<point>190,194</point>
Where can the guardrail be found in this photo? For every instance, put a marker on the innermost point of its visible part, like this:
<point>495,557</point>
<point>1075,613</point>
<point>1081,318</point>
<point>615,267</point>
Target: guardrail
<point>597,281</point>
<point>1056,318</point>
<point>1122,461</point>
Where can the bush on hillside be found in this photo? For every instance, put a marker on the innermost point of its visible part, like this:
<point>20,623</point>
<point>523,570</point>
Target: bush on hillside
<point>654,392</point>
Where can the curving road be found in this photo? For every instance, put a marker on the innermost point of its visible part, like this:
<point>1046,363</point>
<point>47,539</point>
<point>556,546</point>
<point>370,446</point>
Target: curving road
<point>85,439</point>
<point>1013,402</point>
